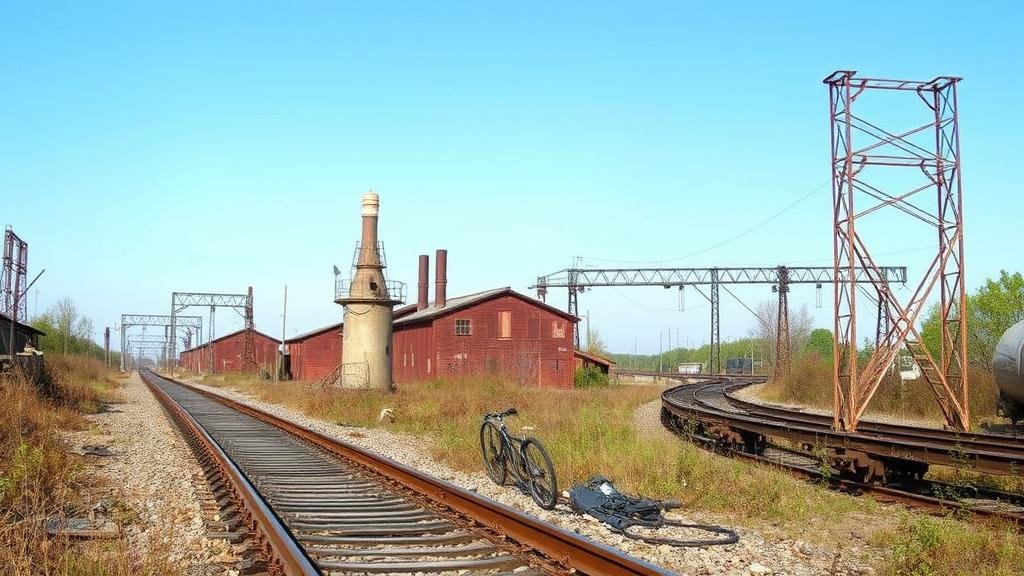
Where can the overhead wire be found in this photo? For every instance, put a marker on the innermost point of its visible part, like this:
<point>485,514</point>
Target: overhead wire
<point>733,238</point>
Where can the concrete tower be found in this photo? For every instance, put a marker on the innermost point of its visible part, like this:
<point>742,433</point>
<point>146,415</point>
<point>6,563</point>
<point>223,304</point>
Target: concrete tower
<point>368,299</point>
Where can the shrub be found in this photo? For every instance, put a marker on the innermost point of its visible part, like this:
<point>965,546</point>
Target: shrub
<point>591,377</point>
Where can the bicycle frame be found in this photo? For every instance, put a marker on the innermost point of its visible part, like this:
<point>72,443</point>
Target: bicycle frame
<point>514,454</point>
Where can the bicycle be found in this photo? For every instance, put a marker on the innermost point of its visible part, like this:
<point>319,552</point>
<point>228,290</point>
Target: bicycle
<point>524,459</point>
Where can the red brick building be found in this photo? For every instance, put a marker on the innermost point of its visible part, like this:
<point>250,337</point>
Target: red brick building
<point>496,332</point>
<point>227,352</point>
<point>315,354</point>
<point>499,332</point>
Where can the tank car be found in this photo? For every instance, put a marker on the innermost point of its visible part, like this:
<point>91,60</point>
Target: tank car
<point>1008,369</point>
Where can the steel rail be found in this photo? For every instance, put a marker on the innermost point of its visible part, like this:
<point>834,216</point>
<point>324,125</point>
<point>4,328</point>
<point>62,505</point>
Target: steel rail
<point>286,552</point>
<point>577,554</point>
<point>718,415</point>
<point>992,441</point>
<point>941,448</point>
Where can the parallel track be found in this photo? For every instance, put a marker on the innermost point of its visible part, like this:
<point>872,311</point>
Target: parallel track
<point>317,505</point>
<point>712,404</point>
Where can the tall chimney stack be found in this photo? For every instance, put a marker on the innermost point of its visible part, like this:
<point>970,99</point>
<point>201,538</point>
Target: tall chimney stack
<point>368,298</point>
<point>423,296</point>
<point>441,279</point>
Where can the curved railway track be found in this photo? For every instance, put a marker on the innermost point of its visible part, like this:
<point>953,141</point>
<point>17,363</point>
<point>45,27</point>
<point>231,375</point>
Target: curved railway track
<point>888,461</point>
<point>310,504</point>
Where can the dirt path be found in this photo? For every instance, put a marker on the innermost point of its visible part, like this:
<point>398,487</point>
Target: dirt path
<point>647,421</point>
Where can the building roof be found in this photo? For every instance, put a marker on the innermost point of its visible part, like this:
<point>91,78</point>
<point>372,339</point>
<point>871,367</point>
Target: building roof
<point>24,326</point>
<point>403,311</point>
<point>460,302</point>
<point>594,357</point>
<point>226,336</point>
<point>311,333</point>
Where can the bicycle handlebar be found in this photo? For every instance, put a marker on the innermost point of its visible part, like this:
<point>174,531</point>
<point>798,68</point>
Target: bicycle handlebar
<point>509,412</point>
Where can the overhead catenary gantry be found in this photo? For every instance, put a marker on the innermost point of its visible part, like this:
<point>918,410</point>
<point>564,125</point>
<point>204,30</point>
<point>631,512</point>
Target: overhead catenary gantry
<point>914,169</point>
<point>578,279</point>
<point>188,323</point>
<point>241,303</point>
<point>152,351</point>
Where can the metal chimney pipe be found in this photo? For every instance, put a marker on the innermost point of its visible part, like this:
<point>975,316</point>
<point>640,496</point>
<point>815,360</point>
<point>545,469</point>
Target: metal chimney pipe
<point>422,295</point>
<point>368,255</point>
<point>441,279</point>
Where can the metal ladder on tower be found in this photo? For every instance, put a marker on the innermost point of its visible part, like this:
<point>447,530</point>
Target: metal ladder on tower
<point>931,375</point>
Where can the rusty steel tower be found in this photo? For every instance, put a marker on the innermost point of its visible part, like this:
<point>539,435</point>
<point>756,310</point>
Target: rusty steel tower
<point>368,298</point>
<point>914,170</point>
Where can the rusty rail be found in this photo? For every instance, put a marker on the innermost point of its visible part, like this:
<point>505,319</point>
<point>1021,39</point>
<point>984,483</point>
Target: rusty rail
<point>708,413</point>
<point>571,552</point>
<point>280,551</point>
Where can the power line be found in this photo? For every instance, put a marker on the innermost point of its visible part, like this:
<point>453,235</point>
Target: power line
<point>727,240</point>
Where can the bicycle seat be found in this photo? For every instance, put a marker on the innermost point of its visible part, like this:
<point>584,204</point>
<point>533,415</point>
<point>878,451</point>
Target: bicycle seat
<point>527,428</point>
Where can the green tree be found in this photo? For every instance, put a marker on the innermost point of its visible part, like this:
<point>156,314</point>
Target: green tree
<point>997,305</point>
<point>68,331</point>
<point>595,345</point>
<point>820,342</point>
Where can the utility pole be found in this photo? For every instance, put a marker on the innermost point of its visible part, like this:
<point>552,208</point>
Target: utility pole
<point>661,352</point>
<point>589,343</point>
<point>284,324</point>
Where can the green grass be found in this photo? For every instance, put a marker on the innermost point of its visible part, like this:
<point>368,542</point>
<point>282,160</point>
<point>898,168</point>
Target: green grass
<point>928,546</point>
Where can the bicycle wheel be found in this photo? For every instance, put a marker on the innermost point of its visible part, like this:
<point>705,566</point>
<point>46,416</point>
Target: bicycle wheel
<point>494,457</point>
<point>540,474</point>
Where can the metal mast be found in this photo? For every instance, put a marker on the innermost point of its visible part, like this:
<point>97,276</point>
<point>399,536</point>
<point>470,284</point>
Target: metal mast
<point>241,303</point>
<point>871,166</point>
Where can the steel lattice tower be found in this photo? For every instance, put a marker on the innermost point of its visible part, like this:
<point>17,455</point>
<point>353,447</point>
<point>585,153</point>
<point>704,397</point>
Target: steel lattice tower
<point>870,170</point>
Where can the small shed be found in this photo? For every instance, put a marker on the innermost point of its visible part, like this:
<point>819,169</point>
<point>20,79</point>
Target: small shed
<point>23,334</point>
<point>587,359</point>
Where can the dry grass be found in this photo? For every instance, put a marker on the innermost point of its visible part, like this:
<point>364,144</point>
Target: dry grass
<point>809,383</point>
<point>40,479</point>
<point>587,432</point>
<point>591,432</point>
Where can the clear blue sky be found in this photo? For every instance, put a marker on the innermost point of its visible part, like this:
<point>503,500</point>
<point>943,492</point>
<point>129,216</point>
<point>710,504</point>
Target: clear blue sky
<point>213,146</point>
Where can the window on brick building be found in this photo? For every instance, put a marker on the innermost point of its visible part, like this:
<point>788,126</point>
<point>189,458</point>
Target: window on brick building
<point>505,324</point>
<point>533,328</point>
<point>463,327</point>
<point>557,329</point>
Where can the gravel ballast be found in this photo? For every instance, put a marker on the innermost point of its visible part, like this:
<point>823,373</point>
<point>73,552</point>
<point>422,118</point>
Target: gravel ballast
<point>758,552</point>
<point>154,473</point>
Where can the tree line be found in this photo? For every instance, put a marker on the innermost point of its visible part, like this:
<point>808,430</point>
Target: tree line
<point>991,310</point>
<point>69,331</point>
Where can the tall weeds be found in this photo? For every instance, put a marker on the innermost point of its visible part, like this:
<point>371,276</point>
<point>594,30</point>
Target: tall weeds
<point>40,479</point>
<point>809,383</point>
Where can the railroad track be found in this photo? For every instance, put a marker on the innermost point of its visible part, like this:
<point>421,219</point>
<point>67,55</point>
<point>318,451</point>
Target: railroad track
<point>885,460</point>
<point>310,504</point>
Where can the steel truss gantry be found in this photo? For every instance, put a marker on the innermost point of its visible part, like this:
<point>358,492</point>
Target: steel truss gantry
<point>241,303</point>
<point>578,279</point>
<point>915,170</point>
<point>154,351</point>
<point>164,321</point>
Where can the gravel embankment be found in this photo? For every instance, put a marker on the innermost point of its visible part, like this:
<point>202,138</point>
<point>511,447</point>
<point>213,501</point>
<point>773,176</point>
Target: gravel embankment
<point>154,473</point>
<point>756,553</point>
